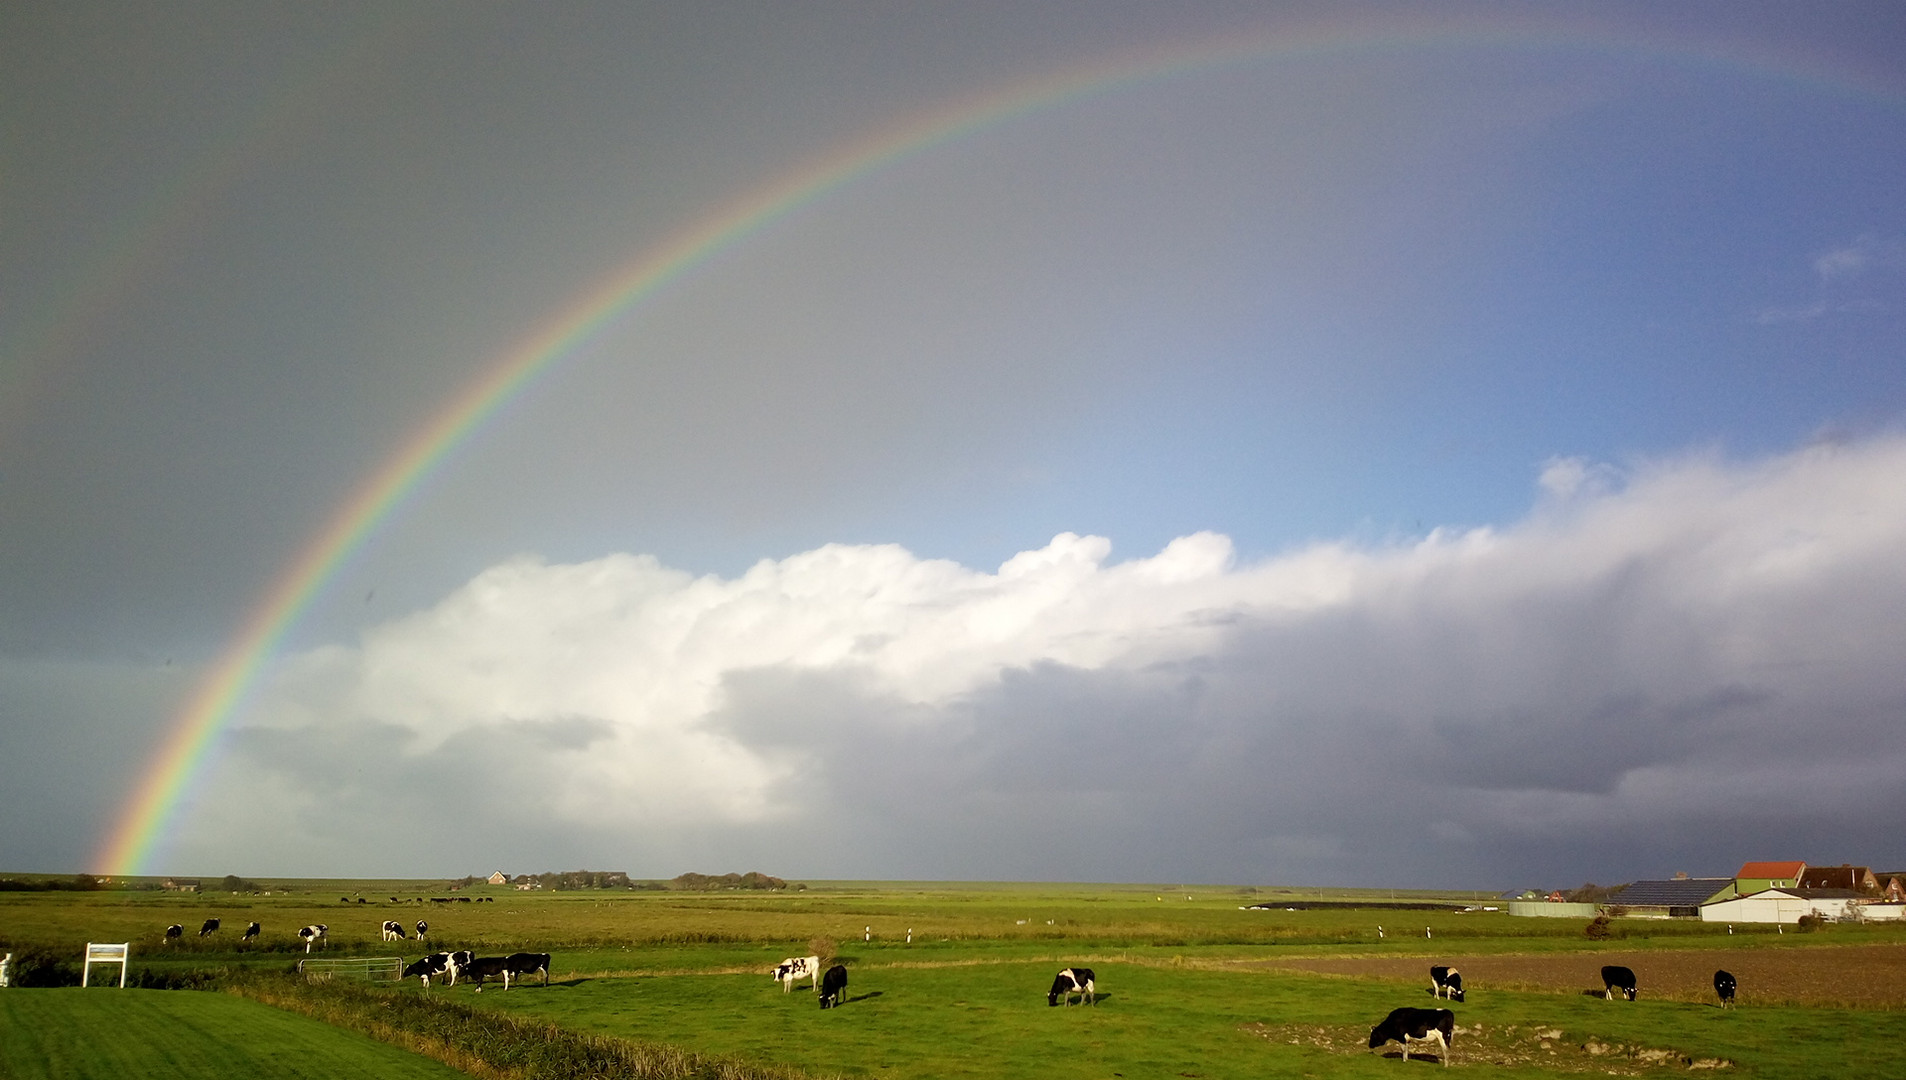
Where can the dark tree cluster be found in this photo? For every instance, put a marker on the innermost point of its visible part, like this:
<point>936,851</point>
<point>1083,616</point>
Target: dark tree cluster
<point>706,883</point>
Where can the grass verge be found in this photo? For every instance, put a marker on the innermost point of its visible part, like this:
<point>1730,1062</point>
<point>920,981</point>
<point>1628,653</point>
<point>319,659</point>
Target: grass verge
<point>490,1044</point>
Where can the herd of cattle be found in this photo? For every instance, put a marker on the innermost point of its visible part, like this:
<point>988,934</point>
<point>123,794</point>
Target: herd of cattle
<point>1404,1026</point>
<point>450,966</point>
<point>1408,1025</point>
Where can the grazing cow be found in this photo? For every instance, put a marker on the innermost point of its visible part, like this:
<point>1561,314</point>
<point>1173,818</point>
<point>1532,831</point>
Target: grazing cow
<point>488,967</point>
<point>1616,977</point>
<point>422,928</point>
<point>1416,1025</point>
<point>833,986</point>
<point>525,963</point>
<point>1070,981</point>
<point>1446,982</point>
<point>1724,986</point>
<point>313,935</point>
<point>393,931</point>
<point>442,963</point>
<point>796,968</point>
<point>460,960</point>
<point>210,926</point>
<point>251,932</point>
<point>173,933</point>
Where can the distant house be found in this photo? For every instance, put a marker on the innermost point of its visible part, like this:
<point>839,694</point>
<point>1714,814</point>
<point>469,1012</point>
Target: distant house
<point>1893,888</point>
<point>499,878</point>
<point>170,885</point>
<point>1520,894</point>
<point>1858,878</point>
<point>1760,876</point>
<point>1784,906</point>
<point>1677,898</point>
<point>1555,897</point>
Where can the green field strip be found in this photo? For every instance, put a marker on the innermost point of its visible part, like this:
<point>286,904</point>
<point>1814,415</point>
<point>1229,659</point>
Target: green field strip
<point>113,1034</point>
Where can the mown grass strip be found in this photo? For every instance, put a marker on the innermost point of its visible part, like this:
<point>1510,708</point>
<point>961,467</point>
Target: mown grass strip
<point>495,1046</point>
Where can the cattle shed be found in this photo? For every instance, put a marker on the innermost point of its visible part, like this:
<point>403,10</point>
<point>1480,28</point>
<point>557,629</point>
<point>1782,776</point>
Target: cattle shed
<point>1676,898</point>
<point>1783,906</point>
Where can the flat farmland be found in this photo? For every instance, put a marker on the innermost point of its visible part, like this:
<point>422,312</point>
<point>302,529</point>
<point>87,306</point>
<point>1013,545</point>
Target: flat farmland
<point>1850,976</point>
<point>949,980</point>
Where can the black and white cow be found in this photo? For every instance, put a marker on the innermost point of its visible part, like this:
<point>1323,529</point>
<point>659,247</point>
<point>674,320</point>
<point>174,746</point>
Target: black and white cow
<point>1070,981</point>
<point>1446,982</point>
<point>1615,977</point>
<point>210,926</point>
<point>1408,1025</point>
<point>251,932</point>
<point>422,928</point>
<point>525,963</point>
<point>313,935</point>
<point>394,931</point>
<point>1724,986</point>
<point>173,933</point>
<point>833,986</point>
<point>442,963</point>
<point>795,968</point>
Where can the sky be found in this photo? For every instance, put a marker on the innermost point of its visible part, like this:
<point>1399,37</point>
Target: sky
<point>1247,443</point>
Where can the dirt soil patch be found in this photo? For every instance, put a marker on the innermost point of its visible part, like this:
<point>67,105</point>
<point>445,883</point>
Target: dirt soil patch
<point>1509,1045</point>
<point>1856,976</point>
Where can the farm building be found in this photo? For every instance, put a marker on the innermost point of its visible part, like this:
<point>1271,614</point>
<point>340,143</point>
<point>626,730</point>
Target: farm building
<point>1551,910</point>
<point>1783,906</point>
<point>1760,876</point>
<point>1858,878</point>
<point>498,878</point>
<point>1678,898</point>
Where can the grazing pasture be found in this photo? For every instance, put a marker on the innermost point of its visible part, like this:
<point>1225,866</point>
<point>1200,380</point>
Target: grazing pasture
<point>952,980</point>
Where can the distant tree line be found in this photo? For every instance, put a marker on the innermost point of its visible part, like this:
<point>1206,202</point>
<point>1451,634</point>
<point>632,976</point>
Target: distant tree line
<point>76,883</point>
<point>617,879</point>
<point>705,883</point>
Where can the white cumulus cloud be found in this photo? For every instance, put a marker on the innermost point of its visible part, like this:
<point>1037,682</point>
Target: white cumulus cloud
<point>1686,662</point>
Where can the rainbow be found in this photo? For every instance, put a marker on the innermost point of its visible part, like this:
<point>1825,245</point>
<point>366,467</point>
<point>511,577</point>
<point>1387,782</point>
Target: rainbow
<point>149,813</point>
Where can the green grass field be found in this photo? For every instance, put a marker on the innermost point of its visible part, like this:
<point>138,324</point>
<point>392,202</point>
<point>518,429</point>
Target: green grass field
<point>113,1034</point>
<point>1186,992</point>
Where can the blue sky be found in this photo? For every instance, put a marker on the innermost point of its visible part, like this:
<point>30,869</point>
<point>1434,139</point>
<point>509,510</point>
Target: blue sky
<point>1538,301</point>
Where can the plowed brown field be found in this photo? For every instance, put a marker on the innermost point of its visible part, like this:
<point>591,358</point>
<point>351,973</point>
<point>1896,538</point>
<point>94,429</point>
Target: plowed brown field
<point>1857,976</point>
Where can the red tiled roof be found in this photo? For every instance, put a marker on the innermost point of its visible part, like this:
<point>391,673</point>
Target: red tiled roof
<point>1772,870</point>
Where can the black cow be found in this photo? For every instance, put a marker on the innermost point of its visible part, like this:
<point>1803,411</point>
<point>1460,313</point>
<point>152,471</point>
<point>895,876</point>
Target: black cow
<point>251,931</point>
<point>525,963</point>
<point>1446,982</point>
<point>173,933</point>
<point>833,986</point>
<point>209,927</point>
<point>1070,981</point>
<point>488,967</point>
<point>1615,977</point>
<point>442,963</point>
<point>1416,1025</point>
<point>1724,986</point>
